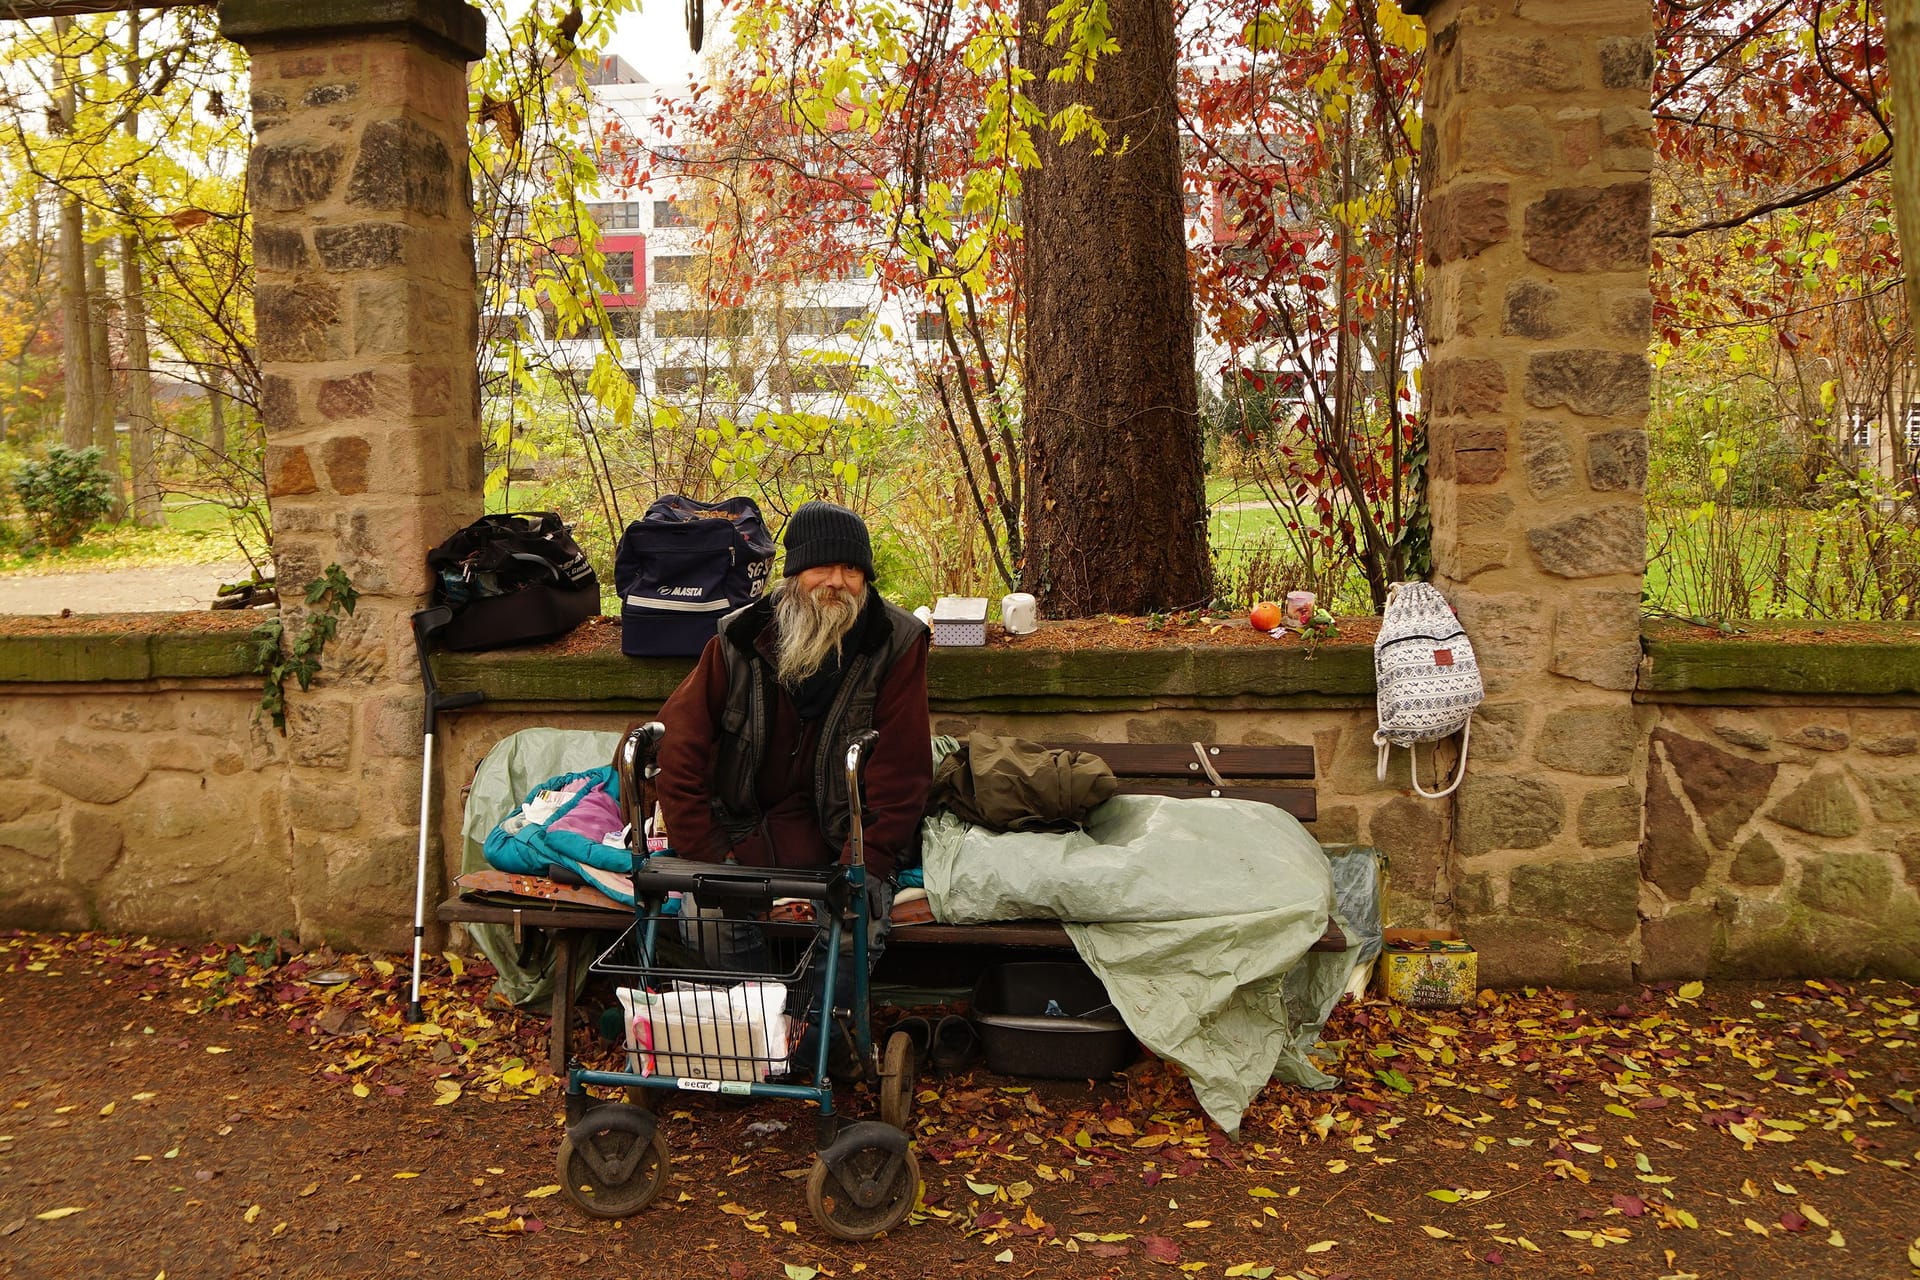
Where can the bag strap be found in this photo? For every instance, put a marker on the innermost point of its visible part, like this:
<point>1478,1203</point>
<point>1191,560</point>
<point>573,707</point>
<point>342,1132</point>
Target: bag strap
<point>1413,762</point>
<point>1460,770</point>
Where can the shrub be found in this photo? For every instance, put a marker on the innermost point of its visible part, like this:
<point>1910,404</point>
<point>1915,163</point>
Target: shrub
<point>63,495</point>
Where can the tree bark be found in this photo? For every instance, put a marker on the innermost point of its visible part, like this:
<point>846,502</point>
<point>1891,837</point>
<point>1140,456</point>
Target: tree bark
<point>1115,497</point>
<point>77,413</point>
<point>140,424</point>
<point>100,360</point>
<point>216,414</point>
<point>1903,65</point>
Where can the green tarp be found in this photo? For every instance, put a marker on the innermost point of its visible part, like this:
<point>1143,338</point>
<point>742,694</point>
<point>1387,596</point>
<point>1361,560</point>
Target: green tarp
<point>1197,915</point>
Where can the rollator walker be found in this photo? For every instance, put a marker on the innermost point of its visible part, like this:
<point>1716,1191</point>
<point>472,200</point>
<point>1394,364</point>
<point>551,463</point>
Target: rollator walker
<point>693,1024</point>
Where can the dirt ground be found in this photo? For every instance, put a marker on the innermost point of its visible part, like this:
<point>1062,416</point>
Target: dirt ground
<point>209,1111</point>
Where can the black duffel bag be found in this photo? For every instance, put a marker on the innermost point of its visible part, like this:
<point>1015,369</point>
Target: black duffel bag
<point>684,566</point>
<point>514,578</point>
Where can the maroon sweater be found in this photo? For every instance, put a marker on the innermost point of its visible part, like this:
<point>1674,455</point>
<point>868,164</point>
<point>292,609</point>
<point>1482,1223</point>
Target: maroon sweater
<point>899,772</point>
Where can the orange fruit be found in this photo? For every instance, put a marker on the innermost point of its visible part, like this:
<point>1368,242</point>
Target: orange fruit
<point>1265,616</point>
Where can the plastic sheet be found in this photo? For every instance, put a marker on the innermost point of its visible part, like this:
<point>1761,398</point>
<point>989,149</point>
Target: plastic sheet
<point>1197,914</point>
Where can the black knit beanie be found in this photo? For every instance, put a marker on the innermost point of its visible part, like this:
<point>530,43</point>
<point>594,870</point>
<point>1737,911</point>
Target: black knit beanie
<point>821,533</point>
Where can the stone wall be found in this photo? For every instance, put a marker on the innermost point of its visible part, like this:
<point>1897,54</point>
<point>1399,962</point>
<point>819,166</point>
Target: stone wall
<point>1538,144</point>
<point>1782,840</point>
<point>366,308</point>
<point>139,791</point>
<point>143,810</point>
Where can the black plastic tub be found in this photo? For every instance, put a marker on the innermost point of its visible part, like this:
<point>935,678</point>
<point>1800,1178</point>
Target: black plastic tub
<point>1081,1037</point>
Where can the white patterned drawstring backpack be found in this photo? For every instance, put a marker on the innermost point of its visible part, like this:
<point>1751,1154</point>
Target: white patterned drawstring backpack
<point>1425,678</point>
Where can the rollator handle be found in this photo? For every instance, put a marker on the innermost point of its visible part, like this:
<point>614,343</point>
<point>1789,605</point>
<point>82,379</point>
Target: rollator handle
<point>633,769</point>
<point>857,752</point>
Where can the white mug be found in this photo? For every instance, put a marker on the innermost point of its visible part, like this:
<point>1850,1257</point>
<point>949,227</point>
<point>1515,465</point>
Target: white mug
<point>1019,613</point>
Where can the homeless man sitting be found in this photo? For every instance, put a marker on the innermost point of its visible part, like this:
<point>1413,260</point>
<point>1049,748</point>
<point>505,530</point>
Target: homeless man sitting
<point>753,764</point>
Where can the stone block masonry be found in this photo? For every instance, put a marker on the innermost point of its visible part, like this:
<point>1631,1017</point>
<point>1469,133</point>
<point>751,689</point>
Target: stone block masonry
<point>1782,840</point>
<point>140,792</point>
<point>158,811</point>
<point>367,317</point>
<point>1538,238</point>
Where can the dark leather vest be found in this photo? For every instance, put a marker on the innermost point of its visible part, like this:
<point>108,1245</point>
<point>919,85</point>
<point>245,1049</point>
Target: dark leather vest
<point>884,632</point>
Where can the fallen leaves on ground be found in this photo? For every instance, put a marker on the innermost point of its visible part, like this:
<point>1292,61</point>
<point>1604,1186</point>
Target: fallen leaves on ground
<point>1665,1118</point>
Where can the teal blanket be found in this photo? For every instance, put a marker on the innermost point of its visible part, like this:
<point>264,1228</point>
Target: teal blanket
<point>517,764</point>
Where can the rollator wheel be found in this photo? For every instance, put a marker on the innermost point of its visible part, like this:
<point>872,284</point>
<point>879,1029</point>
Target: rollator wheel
<point>610,1169</point>
<point>899,1070</point>
<point>834,1207</point>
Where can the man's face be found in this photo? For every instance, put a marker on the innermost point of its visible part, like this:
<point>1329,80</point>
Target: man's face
<point>814,610</point>
<point>845,580</point>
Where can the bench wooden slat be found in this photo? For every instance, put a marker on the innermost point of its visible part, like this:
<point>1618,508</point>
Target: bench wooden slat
<point>1005,933</point>
<point>1176,759</point>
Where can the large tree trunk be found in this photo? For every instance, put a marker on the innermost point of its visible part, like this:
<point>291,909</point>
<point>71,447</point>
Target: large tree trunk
<point>140,424</point>
<point>1903,66</point>
<point>77,413</point>
<point>1115,499</point>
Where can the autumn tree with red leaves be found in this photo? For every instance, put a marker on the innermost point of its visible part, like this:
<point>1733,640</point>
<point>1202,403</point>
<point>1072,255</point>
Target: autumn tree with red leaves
<point>1783,339</point>
<point>1307,122</point>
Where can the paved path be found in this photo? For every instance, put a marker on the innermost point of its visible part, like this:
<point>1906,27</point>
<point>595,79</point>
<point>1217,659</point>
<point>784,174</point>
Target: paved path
<point>164,589</point>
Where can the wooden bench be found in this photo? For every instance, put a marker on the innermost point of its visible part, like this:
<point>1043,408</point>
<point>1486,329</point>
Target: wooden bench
<point>568,925</point>
<point>1280,776</point>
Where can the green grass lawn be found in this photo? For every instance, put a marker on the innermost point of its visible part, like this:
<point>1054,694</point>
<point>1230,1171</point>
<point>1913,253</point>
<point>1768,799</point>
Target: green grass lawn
<point>196,532</point>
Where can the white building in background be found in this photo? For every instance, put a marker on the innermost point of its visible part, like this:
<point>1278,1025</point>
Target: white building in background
<point>680,350</point>
<point>834,327</point>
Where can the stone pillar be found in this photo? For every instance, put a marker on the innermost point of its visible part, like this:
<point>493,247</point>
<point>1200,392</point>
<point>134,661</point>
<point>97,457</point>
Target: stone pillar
<point>1537,232</point>
<point>365,318</point>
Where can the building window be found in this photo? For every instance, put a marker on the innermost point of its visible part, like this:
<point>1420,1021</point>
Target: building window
<point>685,379</point>
<point>717,323</point>
<point>620,270</point>
<point>627,322</point>
<point>670,213</point>
<point>931,326</point>
<point>825,320</point>
<point>676,268</point>
<point>621,216</point>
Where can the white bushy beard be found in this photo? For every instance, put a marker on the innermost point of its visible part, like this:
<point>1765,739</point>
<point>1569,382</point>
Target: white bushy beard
<point>810,626</point>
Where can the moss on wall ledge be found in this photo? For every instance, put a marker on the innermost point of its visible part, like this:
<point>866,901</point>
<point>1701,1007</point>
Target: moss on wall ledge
<point>126,646</point>
<point>587,667</point>
<point>1878,658</point>
<point>1682,663</point>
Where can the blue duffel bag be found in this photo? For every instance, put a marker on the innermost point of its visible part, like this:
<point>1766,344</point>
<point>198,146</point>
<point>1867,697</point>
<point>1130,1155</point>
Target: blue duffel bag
<point>684,566</point>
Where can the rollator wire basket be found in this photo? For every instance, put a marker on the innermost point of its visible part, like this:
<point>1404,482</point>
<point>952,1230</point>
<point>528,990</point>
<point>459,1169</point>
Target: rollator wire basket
<point>705,1026</point>
<point>706,1008</point>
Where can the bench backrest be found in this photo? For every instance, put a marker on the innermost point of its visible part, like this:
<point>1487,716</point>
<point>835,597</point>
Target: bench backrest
<point>1175,769</point>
